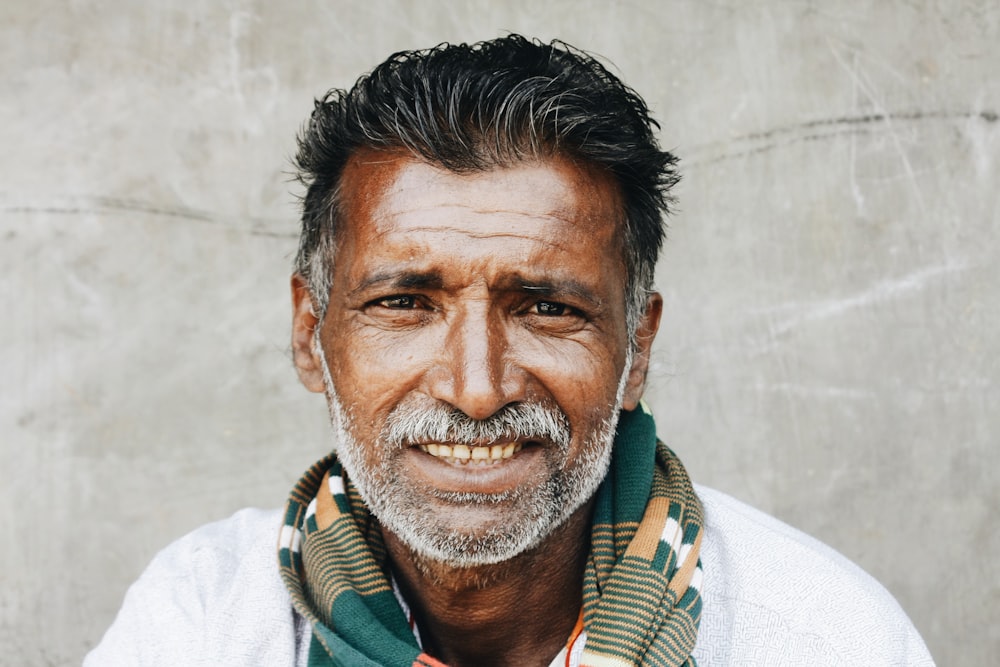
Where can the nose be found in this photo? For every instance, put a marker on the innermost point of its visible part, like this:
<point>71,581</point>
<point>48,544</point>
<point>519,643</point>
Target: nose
<point>475,371</point>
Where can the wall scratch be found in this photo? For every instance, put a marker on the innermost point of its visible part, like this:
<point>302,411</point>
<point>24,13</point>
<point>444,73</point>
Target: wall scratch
<point>99,205</point>
<point>822,129</point>
<point>802,313</point>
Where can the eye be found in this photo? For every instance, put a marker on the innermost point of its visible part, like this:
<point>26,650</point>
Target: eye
<point>398,302</point>
<point>399,311</point>
<point>551,308</point>
<point>554,318</point>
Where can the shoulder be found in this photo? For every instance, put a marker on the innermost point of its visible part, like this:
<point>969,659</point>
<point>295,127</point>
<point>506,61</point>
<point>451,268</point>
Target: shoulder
<point>773,595</point>
<point>212,597</point>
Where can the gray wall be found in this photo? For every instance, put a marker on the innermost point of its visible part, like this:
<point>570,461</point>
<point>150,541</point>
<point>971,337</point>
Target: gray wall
<point>829,350</point>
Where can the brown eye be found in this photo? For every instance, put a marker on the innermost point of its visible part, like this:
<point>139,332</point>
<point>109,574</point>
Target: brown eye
<point>550,308</point>
<point>400,301</point>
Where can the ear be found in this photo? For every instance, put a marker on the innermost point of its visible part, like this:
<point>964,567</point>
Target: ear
<point>649,323</point>
<point>305,355</point>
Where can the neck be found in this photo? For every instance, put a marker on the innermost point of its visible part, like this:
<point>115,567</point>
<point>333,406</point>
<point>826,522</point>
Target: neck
<point>519,612</point>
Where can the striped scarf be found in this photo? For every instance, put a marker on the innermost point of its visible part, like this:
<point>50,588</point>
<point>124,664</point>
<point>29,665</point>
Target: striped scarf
<point>641,603</point>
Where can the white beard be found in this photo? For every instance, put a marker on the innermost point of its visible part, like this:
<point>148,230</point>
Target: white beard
<point>524,518</point>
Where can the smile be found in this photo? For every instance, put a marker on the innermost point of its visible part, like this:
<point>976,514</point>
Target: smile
<point>465,455</point>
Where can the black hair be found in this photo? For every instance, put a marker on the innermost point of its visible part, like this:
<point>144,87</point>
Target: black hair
<point>478,107</point>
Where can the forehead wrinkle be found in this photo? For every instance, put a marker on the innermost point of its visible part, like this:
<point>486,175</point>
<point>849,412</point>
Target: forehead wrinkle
<point>577,196</point>
<point>540,244</point>
<point>381,217</point>
<point>416,245</point>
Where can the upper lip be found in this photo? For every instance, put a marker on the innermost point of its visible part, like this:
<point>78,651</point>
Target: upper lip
<point>503,442</point>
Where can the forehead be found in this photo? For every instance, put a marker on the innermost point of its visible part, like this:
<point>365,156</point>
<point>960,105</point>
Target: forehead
<point>384,191</point>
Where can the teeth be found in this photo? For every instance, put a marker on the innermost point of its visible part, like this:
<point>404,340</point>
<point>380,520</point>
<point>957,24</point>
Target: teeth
<point>464,454</point>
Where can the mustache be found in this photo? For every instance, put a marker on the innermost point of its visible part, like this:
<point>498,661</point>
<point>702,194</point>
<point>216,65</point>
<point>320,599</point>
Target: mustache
<point>408,424</point>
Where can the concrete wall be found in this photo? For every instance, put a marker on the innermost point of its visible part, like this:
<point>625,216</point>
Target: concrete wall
<point>829,351</point>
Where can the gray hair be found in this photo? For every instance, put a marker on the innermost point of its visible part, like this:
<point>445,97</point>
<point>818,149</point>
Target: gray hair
<point>471,108</point>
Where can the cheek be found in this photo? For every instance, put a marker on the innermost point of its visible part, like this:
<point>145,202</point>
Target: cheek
<point>374,369</point>
<point>582,377</point>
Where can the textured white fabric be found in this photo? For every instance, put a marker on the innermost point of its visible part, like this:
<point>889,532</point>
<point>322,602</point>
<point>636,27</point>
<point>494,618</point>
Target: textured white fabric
<point>772,596</point>
<point>213,597</point>
<point>775,596</point>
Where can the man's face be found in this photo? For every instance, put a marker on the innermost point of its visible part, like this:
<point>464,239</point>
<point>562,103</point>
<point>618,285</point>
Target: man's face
<point>475,348</point>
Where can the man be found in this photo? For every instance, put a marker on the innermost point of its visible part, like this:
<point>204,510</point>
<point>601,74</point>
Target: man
<point>473,293</point>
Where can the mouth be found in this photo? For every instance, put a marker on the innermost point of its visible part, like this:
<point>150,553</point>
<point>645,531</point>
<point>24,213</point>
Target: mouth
<point>466,455</point>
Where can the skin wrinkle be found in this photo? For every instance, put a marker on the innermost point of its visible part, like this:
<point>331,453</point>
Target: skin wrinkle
<point>552,244</point>
<point>498,234</point>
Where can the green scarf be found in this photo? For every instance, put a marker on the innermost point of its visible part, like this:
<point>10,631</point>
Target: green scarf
<point>641,603</point>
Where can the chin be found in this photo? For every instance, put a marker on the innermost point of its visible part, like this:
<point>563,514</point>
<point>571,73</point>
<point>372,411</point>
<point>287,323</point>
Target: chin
<point>470,532</point>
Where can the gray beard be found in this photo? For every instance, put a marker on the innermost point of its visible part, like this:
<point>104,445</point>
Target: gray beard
<point>525,516</point>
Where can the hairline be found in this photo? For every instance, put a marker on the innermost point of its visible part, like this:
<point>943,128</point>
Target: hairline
<point>637,288</point>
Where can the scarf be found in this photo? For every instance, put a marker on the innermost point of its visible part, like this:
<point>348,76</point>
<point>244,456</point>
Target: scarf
<point>641,601</point>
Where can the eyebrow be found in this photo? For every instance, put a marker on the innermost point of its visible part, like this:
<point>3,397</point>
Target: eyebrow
<point>554,288</point>
<point>417,280</point>
<point>403,280</point>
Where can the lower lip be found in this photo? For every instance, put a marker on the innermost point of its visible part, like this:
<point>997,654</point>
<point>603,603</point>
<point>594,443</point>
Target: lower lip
<point>489,478</point>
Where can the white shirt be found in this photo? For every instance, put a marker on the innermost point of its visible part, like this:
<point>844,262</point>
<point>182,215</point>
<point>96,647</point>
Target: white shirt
<point>771,595</point>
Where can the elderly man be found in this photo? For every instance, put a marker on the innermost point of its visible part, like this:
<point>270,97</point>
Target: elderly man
<point>473,294</point>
